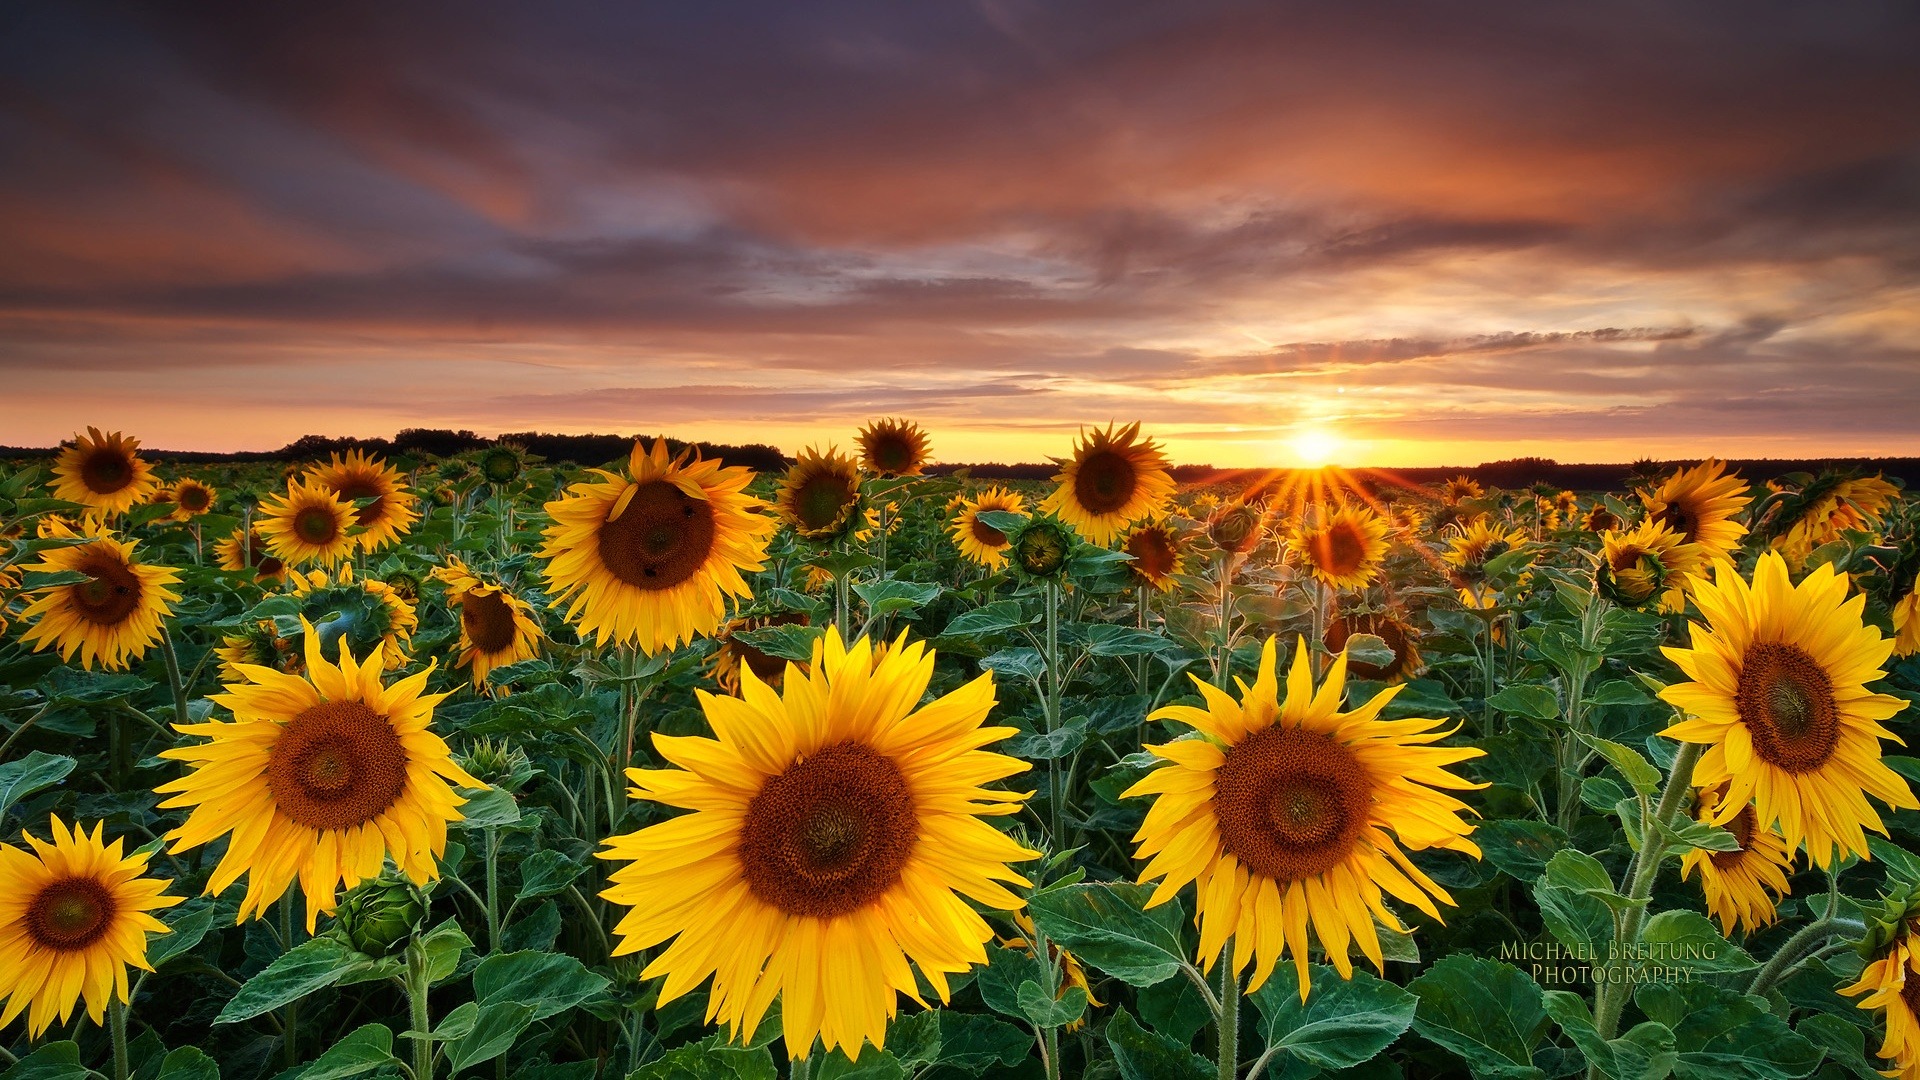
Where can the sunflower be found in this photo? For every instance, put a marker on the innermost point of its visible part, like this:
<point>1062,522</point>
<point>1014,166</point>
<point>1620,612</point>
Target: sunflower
<point>190,499</point>
<point>734,654</point>
<point>1390,627</point>
<point>497,628</point>
<point>1237,527</point>
<point>319,777</point>
<point>1906,618</point>
<point>1114,478</point>
<point>74,914</point>
<point>651,558</point>
<point>1600,519</point>
<point>820,495</point>
<point>103,472</point>
<point>1159,552</point>
<point>1638,565</point>
<point>1406,519</point>
<point>502,463</point>
<point>1072,973</point>
<point>1566,505</point>
<point>1699,504</point>
<point>1891,981</point>
<point>310,523</point>
<point>1778,696</point>
<point>979,542</point>
<point>1280,812</point>
<point>1473,546</point>
<point>1460,489</point>
<point>836,828</point>
<point>1342,549</point>
<point>234,553</point>
<point>1827,509</point>
<point>114,616</point>
<point>365,613</point>
<point>893,447</point>
<point>260,645</point>
<point>1742,887</point>
<point>9,584</point>
<point>360,476</point>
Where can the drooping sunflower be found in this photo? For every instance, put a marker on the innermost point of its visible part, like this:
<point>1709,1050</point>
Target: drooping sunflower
<point>1635,567</point>
<point>1742,887</point>
<point>1700,504</point>
<point>360,476</point>
<point>497,628</point>
<point>734,654</point>
<point>820,496</point>
<point>319,778</point>
<point>190,499</point>
<point>74,915</point>
<point>835,828</point>
<point>893,447</point>
<point>1472,546</point>
<point>1072,973</point>
<point>1460,489</point>
<point>1390,627</point>
<point>1566,504</point>
<point>1906,616</point>
<point>259,644</point>
<point>1407,520</point>
<point>114,616</point>
<point>979,542</point>
<point>103,472</point>
<point>1600,519</point>
<point>1891,979</point>
<point>1113,479</point>
<point>652,558</point>
<point>1778,696</point>
<point>234,553</point>
<point>1289,813</point>
<point>307,524</point>
<point>1159,552</point>
<point>1343,548</point>
<point>1826,509</point>
<point>367,613</point>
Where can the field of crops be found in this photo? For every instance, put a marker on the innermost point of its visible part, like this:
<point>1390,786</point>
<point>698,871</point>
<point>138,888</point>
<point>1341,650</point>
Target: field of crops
<point>494,766</point>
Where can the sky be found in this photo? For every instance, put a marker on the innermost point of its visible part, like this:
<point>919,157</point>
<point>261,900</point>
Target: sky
<point>1387,234</point>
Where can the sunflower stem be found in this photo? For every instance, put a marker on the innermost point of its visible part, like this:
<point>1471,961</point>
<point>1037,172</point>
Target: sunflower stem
<point>290,1018</point>
<point>1229,1015</point>
<point>117,1024</point>
<point>174,681</point>
<point>1050,712</point>
<point>417,1011</point>
<point>1609,999</point>
<point>493,890</point>
<point>1225,662</point>
<point>1805,942</point>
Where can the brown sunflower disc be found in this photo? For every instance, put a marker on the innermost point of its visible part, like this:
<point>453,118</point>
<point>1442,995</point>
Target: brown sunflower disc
<point>822,501</point>
<point>1153,557</point>
<point>336,765</point>
<point>1105,481</point>
<point>661,539</point>
<point>111,592</point>
<point>106,471</point>
<point>1290,803</point>
<point>1339,550</point>
<point>355,488</point>
<point>1786,700</point>
<point>70,914</point>
<point>1743,826</point>
<point>987,534</point>
<point>488,620</point>
<point>830,834</point>
<point>316,525</point>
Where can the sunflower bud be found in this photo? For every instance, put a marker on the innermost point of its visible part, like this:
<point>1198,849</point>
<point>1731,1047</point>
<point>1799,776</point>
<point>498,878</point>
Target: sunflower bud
<point>501,465</point>
<point>1636,580</point>
<point>405,585</point>
<point>497,764</point>
<point>1890,920</point>
<point>1235,527</point>
<point>380,916</point>
<point>1040,548</point>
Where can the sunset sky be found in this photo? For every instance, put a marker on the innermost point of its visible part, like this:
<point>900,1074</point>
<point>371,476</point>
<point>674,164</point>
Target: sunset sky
<point>1384,234</point>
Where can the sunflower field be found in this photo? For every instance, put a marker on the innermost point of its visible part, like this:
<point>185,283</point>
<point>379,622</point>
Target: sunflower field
<point>485,766</point>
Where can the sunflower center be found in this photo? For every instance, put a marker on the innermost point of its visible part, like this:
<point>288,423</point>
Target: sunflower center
<point>831,834</point>
<point>1152,554</point>
<point>110,594</point>
<point>1104,482</point>
<point>1786,700</point>
<point>70,914</point>
<point>1340,550</point>
<point>821,500</point>
<point>892,453</point>
<point>488,620</point>
<point>106,471</point>
<point>1290,803</point>
<point>336,765</point>
<point>192,498</point>
<point>1742,827</point>
<point>316,525</point>
<point>1910,992</point>
<point>661,539</point>
<point>358,488</point>
<point>1493,550</point>
<point>1675,517</point>
<point>987,534</point>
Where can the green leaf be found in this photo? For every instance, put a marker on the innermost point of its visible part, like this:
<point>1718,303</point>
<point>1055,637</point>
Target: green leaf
<point>896,595</point>
<point>999,982</point>
<point>1369,649</point>
<point>1048,745</point>
<point>1525,699</point>
<point>35,772</point>
<point>1644,1053</point>
<point>1618,692</point>
<point>443,945</point>
<point>1697,834</point>
<point>914,1039</point>
<point>1571,895</point>
<point>495,1029</point>
<point>975,1043</point>
<point>788,641</point>
<point>1899,860</point>
<point>841,563</point>
<point>35,580</point>
<point>362,1050</point>
<point>1844,1043</point>
<point>1637,770</point>
<point>1002,520</point>
<point>548,982</point>
<point>1106,639</point>
<point>1108,927</point>
<point>1174,1008</point>
<point>1146,1055</point>
<point>1723,1035</point>
<point>1047,1011</point>
<point>1519,847</point>
<point>873,1065</point>
<point>1023,661</point>
<point>489,808</point>
<point>190,923</point>
<point>314,964</point>
<point>547,872</point>
<point>188,1063</point>
<point>995,618</point>
<point>709,1059</point>
<point>1486,1012</point>
<point>1341,1024</point>
<point>1687,939</point>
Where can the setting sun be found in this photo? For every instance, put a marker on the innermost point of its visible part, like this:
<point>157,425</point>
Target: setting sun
<point>1315,447</point>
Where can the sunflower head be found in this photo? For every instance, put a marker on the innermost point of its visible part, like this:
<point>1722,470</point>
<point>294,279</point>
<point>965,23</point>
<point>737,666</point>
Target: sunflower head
<point>1700,504</point>
<point>497,763</point>
<point>734,654</point>
<point>1237,527</point>
<point>258,644</point>
<point>359,477</point>
<point>190,499</point>
<point>377,917</point>
<point>978,541</point>
<point>1744,886</point>
<point>820,496</point>
<point>893,447</point>
<point>1159,553</point>
<point>1343,547</point>
<point>1390,627</point>
<point>1601,520</point>
<point>502,463</point>
<point>1041,548</point>
<point>74,915</point>
<point>1824,510</point>
<point>364,613</point>
<point>110,617</point>
<point>236,553</point>
<point>405,584</point>
<point>1471,548</point>
<point>1636,566</point>
<point>838,832</point>
<point>309,523</point>
<point>1460,489</point>
<point>1115,477</point>
<point>653,557</point>
<point>1891,979</point>
<point>497,628</point>
<point>1287,811</point>
<point>103,472</point>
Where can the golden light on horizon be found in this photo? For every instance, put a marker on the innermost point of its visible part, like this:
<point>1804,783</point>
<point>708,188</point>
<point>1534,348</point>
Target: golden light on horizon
<point>1315,447</point>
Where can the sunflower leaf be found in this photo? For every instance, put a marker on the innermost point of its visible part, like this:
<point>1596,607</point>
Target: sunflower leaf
<point>1723,1035</point>
<point>1341,1024</point>
<point>1627,761</point>
<point>1047,1011</point>
<point>1147,1055</point>
<point>35,772</point>
<point>1488,1013</point>
<point>364,1049</point>
<point>312,965</point>
<point>1524,699</point>
<point>1644,1053</point>
<point>1109,927</point>
<point>496,1027</point>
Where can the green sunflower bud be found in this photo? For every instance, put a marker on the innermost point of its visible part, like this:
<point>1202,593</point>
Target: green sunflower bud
<point>1040,548</point>
<point>1891,918</point>
<point>380,916</point>
<point>1235,528</point>
<point>497,763</point>
<point>501,465</point>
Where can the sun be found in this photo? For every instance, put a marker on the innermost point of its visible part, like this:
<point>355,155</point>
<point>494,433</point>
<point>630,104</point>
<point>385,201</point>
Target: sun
<point>1315,447</point>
